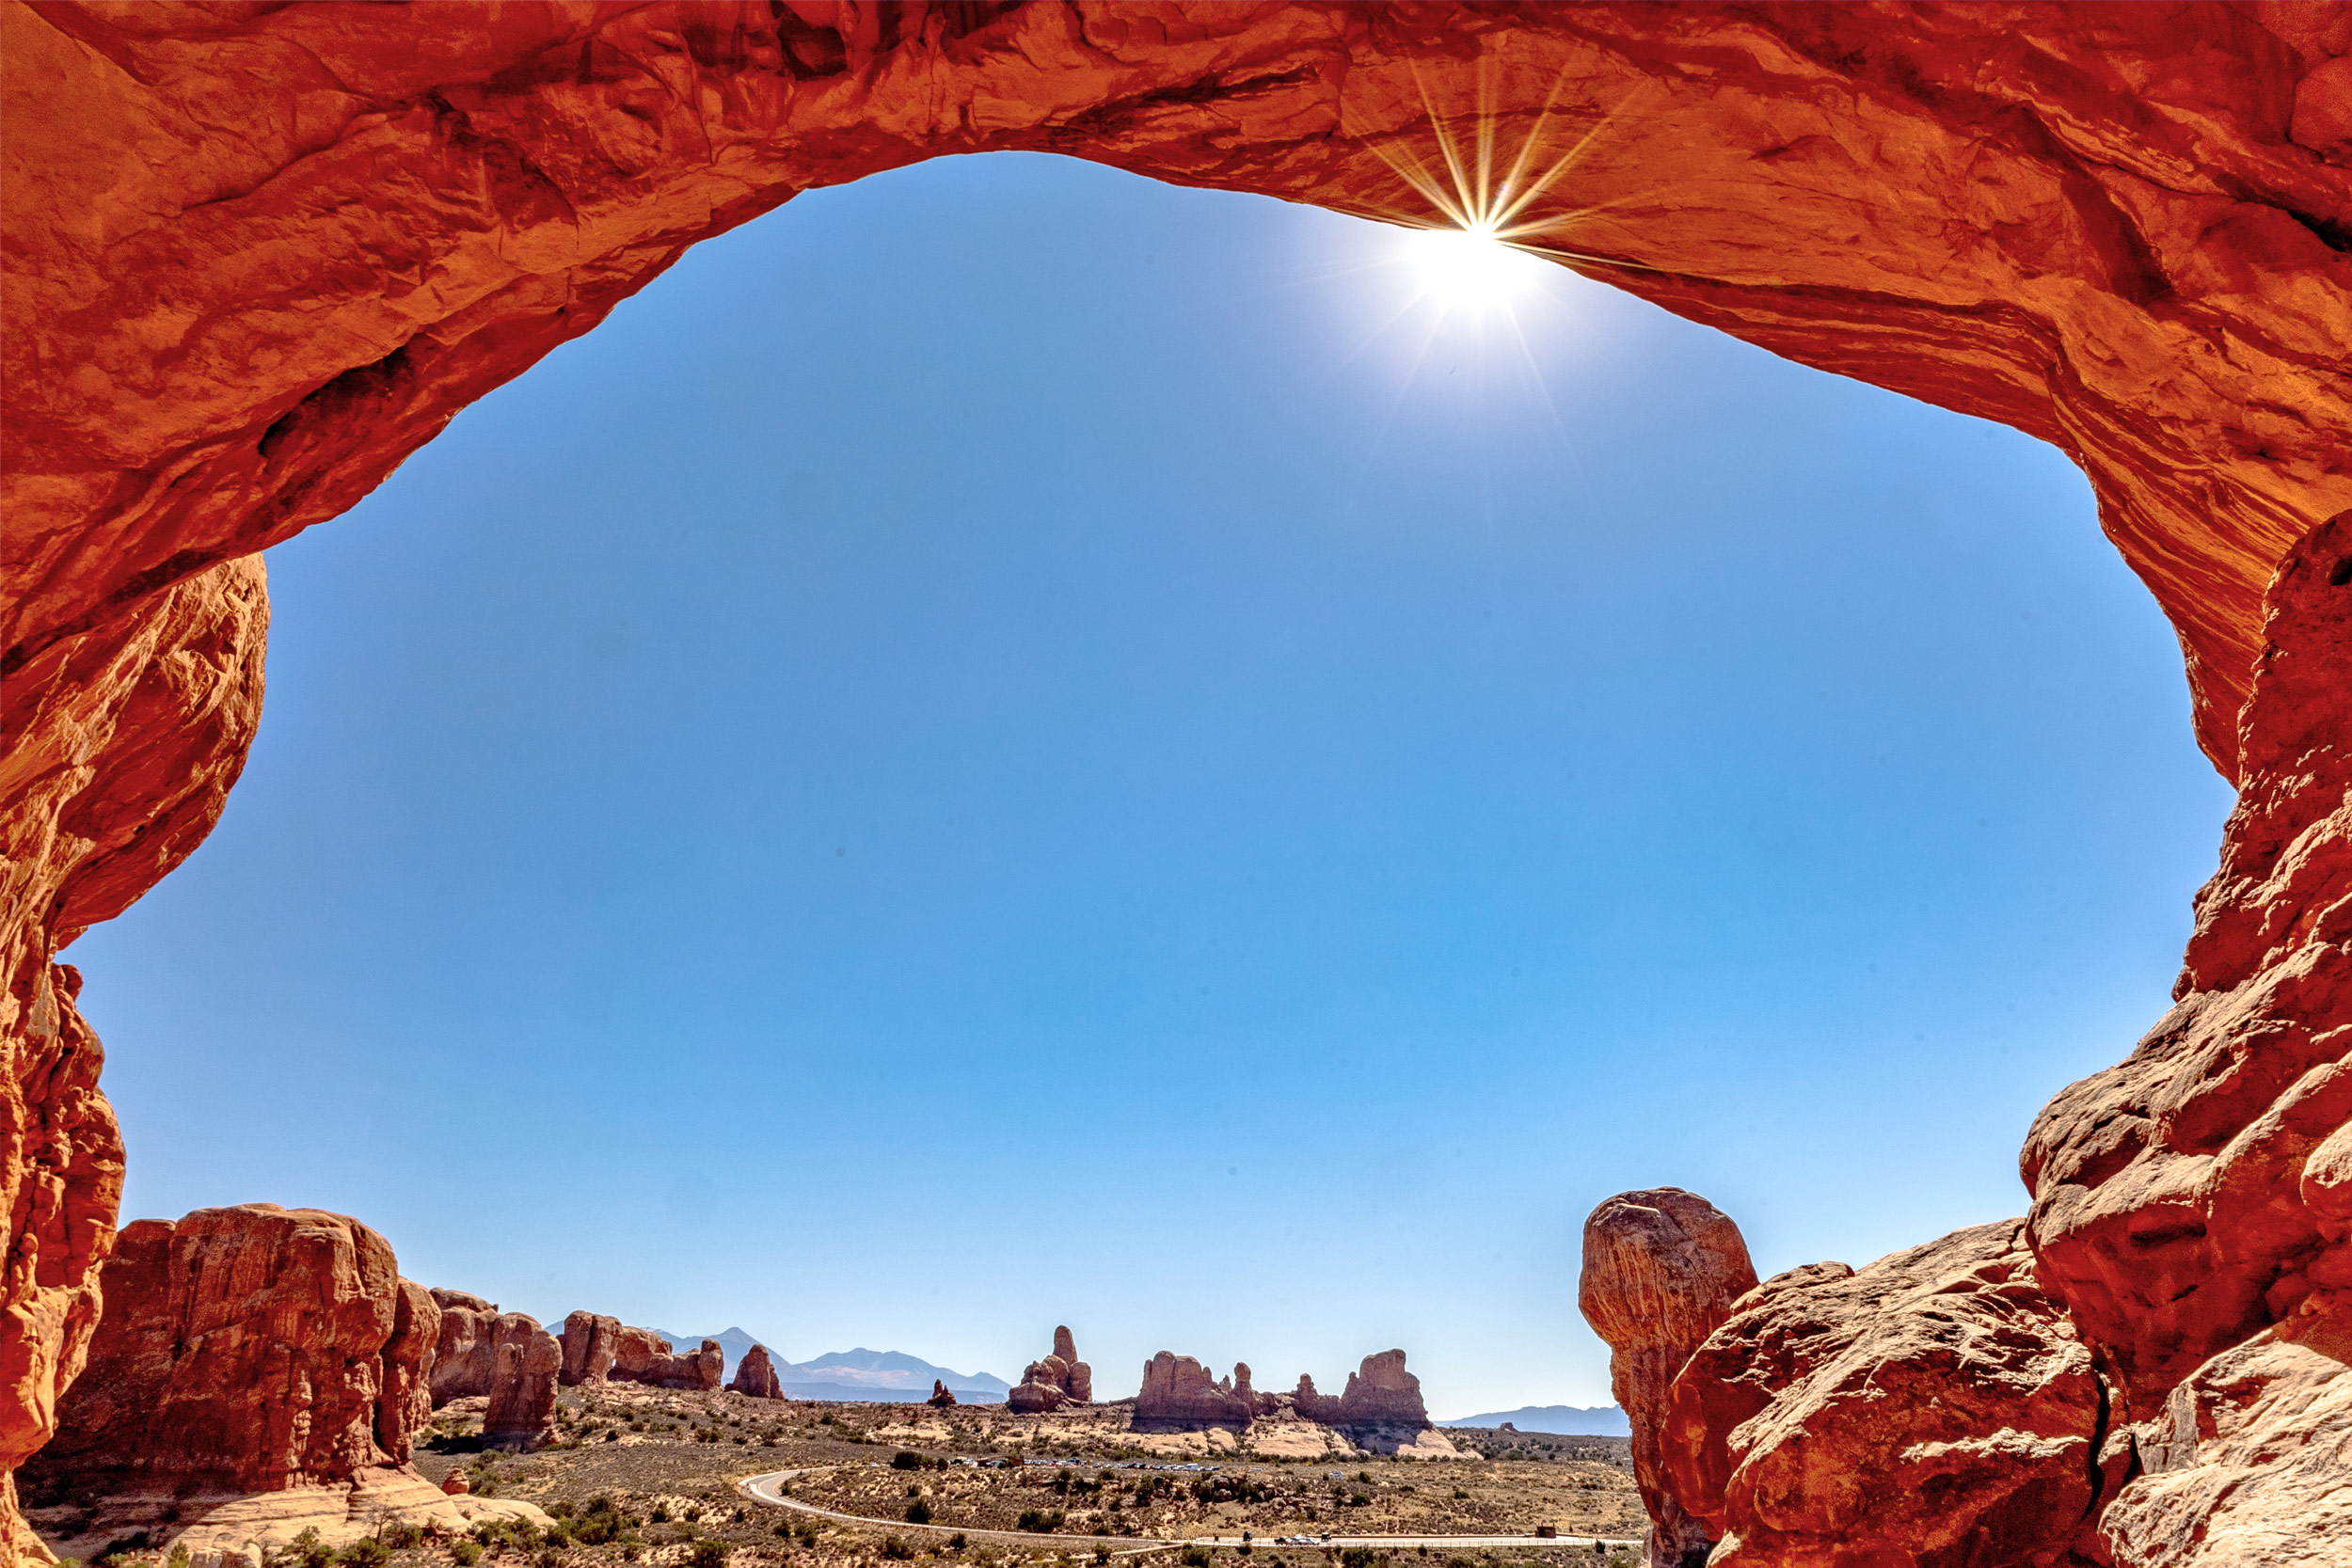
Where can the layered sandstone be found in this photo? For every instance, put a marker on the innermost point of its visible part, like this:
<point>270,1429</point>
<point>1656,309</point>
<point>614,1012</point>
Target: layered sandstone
<point>1058,1380</point>
<point>756,1375</point>
<point>244,1350</point>
<point>2123,228</point>
<point>591,1345</point>
<point>1661,1270</point>
<point>943,1396</point>
<point>1933,1409</point>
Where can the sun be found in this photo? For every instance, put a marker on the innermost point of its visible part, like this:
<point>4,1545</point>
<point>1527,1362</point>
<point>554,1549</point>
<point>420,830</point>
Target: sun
<point>1472,267</point>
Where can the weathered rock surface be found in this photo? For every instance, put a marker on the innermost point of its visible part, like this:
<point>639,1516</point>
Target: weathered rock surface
<point>2121,228</point>
<point>1935,1409</point>
<point>591,1345</point>
<point>2176,1209</point>
<point>943,1396</point>
<point>2251,1463</point>
<point>252,1349</point>
<point>1060,1379</point>
<point>1661,1270</point>
<point>1178,1391</point>
<point>1380,1392</point>
<point>756,1375</point>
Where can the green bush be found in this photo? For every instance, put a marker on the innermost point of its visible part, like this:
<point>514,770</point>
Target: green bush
<point>366,1552</point>
<point>708,1553</point>
<point>309,1551</point>
<point>897,1550</point>
<point>918,1513</point>
<point>1039,1522</point>
<point>906,1460</point>
<point>1195,1557</point>
<point>1355,1556</point>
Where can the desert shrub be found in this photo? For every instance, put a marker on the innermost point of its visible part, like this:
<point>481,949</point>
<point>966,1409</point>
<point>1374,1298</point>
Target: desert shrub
<point>400,1538</point>
<point>661,1514</point>
<point>693,1513</point>
<point>1195,1557</point>
<point>918,1513</point>
<point>708,1553</point>
<point>1355,1556</point>
<point>309,1551</point>
<point>1039,1521</point>
<point>366,1552</point>
<point>897,1550</point>
<point>464,1554</point>
<point>178,1557</point>
<point>1458,1492</point>
<point>1364,1476</point>
<point>906,1460</point>
<point>1101,1556</point>
<point>955,1542</point>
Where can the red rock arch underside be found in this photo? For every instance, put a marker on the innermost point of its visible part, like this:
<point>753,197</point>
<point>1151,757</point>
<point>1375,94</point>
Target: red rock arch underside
<point>255,256</point>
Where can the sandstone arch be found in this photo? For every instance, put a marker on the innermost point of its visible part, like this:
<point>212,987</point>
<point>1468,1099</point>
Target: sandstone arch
<point>257,254</point>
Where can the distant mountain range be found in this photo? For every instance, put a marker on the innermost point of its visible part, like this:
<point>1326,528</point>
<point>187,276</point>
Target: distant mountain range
<point>1564,1420</point>
<point>884,1376</point>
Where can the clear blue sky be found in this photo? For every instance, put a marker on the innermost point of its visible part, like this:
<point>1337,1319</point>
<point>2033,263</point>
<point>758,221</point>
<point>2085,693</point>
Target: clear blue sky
<point>1010,745</point>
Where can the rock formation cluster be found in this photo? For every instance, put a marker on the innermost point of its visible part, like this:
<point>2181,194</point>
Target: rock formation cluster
<point>1177,1392</point>
<point>598,1349</point>
<point>1380,1392</point>
<point>943,1396</point>
<point>2154,1365</point>
<point>504,1357</point>
<point>251,1349</point>
<point>2125,230</point>
<point>1060,1379</point>
<point>756,1376</point>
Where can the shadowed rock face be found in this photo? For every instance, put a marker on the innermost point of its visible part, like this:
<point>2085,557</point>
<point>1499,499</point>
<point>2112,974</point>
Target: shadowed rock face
<point>1661,1270</point>
<point>251,1349</point>
<point>2121,228</point>
<point>756,1375</point>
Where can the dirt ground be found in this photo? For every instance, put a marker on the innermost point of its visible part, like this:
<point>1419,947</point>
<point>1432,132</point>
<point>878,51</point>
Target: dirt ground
<point>648,1477</point>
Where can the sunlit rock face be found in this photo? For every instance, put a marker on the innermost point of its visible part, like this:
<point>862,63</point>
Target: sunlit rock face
<point>251,1349</point>
<point>1663,1271</point>
<point>2121,229</point>
<point>1935,1409</point>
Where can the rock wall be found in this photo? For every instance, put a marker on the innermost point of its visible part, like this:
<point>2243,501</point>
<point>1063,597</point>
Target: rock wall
<point>1661,1270</point>
<point>591,1345</point>
<point>1178,1391</point>
<point>2126,229</point>
<point>756,1376</point>
<point>245,1349</point>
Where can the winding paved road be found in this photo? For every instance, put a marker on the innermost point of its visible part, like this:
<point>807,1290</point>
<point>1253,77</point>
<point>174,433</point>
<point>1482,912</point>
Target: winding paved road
<point>769,1489</point>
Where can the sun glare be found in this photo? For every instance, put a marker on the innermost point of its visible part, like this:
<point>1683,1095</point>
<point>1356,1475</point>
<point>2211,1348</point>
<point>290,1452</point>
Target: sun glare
<point>1470,268</point>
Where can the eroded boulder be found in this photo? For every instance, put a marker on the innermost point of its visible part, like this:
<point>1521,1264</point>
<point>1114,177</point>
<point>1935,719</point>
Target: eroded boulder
<point>1661,1270</point>
<point>1935,1409</point>
<point>591,1345</point>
